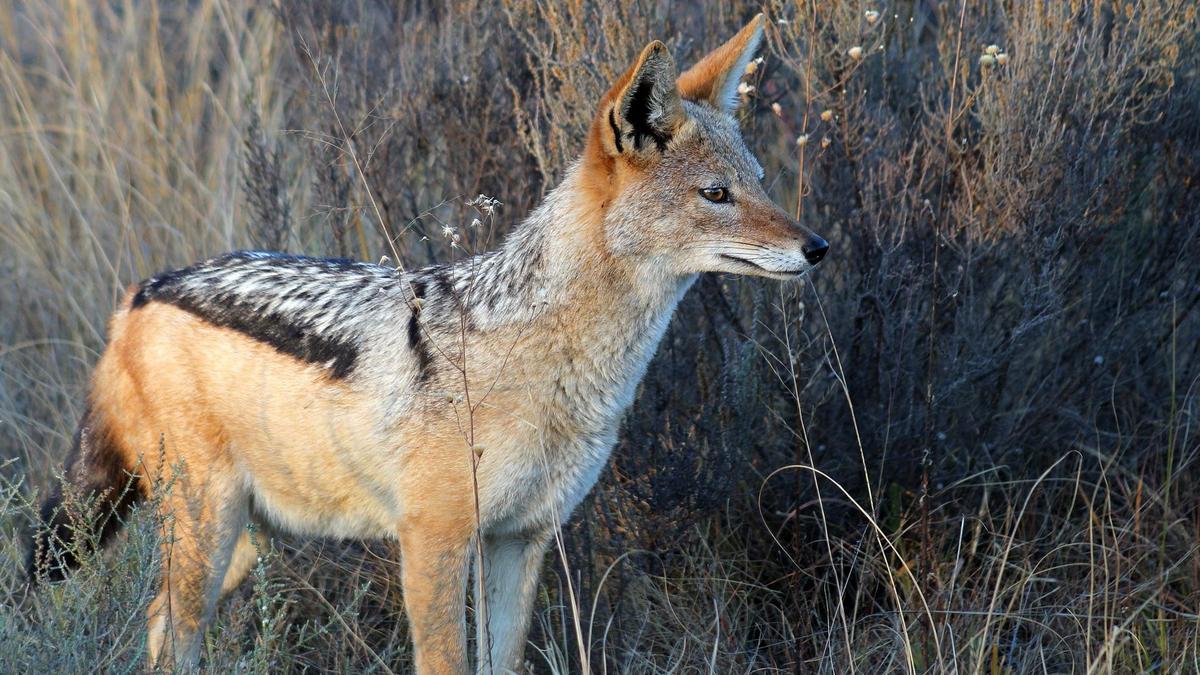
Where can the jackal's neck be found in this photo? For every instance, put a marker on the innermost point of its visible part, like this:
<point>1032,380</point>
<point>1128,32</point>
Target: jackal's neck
<point>555,273</point>
<point>577,271</point>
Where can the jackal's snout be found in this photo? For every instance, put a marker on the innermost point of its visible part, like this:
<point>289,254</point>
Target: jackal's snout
<point>814,249</point>
<point>812,246</point>
<point>789,248</point>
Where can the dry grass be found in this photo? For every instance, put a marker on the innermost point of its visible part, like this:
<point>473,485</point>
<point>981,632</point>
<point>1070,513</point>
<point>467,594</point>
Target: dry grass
<point>967,445</point>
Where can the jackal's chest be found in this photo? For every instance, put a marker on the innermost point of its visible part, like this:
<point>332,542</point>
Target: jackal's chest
<point>541,479</point>
<point>541,469</point>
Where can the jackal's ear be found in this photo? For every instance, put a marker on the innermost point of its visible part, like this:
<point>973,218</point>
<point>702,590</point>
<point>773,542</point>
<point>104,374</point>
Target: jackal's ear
<point>642,111</point>
<point>714,80</point>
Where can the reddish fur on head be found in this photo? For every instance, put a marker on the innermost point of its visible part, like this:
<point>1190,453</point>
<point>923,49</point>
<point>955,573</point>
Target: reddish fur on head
<point>608,167</point>
<point>608,162</point>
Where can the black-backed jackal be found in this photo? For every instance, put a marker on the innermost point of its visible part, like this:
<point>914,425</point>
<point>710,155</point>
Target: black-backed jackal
<point>479,399</point>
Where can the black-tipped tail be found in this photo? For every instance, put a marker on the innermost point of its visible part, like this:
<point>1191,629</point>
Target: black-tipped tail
<point>87,508</point>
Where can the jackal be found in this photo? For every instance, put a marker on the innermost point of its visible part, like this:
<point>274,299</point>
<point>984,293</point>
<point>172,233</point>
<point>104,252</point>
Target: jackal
<point>455,408</point>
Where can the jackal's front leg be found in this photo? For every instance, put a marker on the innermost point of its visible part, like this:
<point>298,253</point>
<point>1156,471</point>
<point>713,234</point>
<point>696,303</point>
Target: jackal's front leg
<point>434,563</point>
<point>511,566</point>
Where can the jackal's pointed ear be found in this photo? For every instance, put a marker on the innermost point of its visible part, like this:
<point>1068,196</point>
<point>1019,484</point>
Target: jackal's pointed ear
<point>714,80</point>
<point>643,110</point>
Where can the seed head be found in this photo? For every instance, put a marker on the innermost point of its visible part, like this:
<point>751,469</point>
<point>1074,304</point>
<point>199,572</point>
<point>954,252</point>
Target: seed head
<point>802,140</point>
<point>855,53</point>
<point>777,109</point>
<point>1002,58</point>
<point>872,16</point>
<point>826,141</point>
<point>484,204</point>
<point>987,60</point>
<point>745,88</point>
<point>826,115</point>
<point>993,49</point>
<point>447,231</point>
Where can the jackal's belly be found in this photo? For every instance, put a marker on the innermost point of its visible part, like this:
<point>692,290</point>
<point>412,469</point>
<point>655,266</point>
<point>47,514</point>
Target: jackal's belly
<point>316,460</point>
<point>340,501</point>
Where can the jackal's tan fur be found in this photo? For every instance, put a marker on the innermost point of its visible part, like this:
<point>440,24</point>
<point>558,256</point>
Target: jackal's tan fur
<point>340,399</point>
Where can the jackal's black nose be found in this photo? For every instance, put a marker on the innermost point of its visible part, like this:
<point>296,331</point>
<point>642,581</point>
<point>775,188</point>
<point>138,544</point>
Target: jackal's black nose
<point>815,249</point>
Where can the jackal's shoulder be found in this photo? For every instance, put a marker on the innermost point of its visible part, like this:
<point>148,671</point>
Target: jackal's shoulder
<point>311,308</point>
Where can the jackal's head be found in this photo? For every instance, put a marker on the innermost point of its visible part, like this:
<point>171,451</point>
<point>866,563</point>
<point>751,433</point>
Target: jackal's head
<point>676,182</point>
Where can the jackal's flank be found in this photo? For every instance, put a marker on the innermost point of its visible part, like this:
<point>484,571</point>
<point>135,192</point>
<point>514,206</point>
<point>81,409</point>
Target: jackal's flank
<point>479,399</point>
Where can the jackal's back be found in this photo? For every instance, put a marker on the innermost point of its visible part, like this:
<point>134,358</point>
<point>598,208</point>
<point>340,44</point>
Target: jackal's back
<point>313,309</point>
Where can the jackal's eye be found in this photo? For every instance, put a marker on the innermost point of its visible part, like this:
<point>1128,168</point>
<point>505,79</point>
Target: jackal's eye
<point>716,195</point>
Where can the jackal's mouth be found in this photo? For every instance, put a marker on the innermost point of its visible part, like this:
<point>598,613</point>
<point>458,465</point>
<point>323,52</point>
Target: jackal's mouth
<point>776,274</point>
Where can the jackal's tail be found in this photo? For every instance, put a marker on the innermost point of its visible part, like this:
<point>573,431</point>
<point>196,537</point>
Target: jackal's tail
<point>87,508</point>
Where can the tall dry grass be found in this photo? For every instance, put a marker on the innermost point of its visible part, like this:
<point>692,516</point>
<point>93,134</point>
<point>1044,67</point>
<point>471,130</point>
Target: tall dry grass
<point>966,444</point>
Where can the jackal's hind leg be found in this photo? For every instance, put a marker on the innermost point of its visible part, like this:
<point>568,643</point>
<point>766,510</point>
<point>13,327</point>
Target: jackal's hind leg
<point>244,557</point>
<point>511,566</point>
<point>203,515</point>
